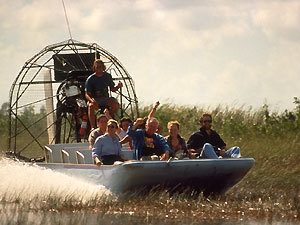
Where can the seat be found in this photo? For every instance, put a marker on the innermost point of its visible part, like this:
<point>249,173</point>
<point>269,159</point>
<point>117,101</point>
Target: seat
<point>65,156</point>
<point>84,156</point>
<point>54,156</point>
<point>79,158</point>
<point>48,155</point>
<point>72,154</point>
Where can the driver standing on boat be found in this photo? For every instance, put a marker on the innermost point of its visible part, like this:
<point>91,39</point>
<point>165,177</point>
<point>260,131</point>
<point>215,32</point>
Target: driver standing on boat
<point>147,143</point>
<point>96,91</point>
<point>207,143</point>
<point>107,148</point>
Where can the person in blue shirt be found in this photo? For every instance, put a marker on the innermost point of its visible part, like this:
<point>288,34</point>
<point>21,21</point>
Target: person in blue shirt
<point>96,91</point>
<point>147,142</point>
<point>107,148</point>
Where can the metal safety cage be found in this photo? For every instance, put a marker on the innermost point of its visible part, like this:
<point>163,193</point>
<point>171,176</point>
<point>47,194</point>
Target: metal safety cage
<point>47,100</point>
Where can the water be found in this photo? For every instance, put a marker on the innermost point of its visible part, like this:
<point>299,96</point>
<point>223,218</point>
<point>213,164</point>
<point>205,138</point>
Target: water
<point>24,183</point>
<point>34,195</point>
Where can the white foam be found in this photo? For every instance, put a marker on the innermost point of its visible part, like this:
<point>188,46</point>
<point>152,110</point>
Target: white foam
<point>22,182</point>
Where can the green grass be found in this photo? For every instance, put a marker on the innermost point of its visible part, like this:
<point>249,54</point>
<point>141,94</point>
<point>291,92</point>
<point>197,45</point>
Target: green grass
<point>270,189</point>
<point>238,205</point>
<point>277,161</point>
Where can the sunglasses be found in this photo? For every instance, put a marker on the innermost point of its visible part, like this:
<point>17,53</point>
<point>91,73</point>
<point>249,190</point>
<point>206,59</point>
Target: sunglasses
<point>207,121</point>
<point>112,126</point>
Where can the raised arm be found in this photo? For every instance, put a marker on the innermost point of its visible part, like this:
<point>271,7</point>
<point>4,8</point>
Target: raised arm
<point>132,132</point>
<point>153,110</point>
<point>126,139</point>
<point>139,121</point>
<point>106,113</point>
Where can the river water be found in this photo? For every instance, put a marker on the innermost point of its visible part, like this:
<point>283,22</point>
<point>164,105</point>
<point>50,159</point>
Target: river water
<point>34,195</point>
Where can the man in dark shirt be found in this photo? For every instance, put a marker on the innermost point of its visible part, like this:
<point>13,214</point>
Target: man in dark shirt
<point>96,91</point>
<point>208,144</point>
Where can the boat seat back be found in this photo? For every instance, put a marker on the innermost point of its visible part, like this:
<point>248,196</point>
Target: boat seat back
<point>84,156</point>
<point>79,158</point>
<point>52,156</point>
<point>71,154</point>
<point>75,153</point>
<point>59,147</point>
<point>65,156</point>
<point>48,155</point>
<point>129,154</point>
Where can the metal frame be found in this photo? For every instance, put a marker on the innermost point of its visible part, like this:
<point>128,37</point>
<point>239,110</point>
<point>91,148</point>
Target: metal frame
<point>24,91</point>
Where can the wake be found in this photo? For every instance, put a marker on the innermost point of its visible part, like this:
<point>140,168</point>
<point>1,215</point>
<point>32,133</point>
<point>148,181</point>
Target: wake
<point>24,183</point>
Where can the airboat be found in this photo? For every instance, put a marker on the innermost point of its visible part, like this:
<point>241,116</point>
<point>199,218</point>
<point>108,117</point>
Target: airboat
<point>46,109</point>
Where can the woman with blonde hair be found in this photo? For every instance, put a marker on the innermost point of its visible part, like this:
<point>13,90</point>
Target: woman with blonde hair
<point>175,141</point>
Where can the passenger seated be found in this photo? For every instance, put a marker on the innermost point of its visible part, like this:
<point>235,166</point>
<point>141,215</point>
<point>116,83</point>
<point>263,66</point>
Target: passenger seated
<point>107,149</point>
<point>126,140</point>
<point>147,143</point>
<point>96,91</point>
<point>100,130</point>
<point>207,143</point>
<point>175,141</point>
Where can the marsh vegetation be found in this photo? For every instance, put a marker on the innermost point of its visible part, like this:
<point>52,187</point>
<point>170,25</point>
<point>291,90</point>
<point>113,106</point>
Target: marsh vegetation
<point>270,192</point>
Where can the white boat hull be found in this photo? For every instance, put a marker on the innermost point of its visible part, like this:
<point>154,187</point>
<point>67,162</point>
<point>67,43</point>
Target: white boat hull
<point>209,175</point>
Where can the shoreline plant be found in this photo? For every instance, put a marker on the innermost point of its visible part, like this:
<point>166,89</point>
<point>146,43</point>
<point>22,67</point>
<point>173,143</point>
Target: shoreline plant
<point>269,191</point>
